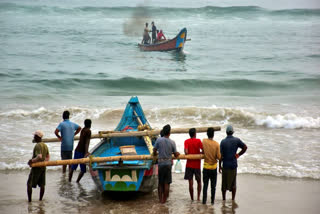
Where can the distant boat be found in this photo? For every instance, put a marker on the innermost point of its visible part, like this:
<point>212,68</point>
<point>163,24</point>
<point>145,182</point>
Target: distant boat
<point>176,43</point>
<point>126,175</point>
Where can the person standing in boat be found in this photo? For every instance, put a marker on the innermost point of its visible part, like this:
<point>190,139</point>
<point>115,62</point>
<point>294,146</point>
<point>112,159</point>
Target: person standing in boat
<point>154,32</point>
<point>229,156</point>
<point>37,175</point>
<point>160,36</point>
<point>193,146</point>
<point>82,150</point>
<point>146,37</point>
<point>67,130</point>
<point>165,147</point>
<point>211,150</point>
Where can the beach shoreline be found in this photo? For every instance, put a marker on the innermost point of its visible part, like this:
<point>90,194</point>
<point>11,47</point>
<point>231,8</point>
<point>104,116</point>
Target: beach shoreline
<point>255,194</point>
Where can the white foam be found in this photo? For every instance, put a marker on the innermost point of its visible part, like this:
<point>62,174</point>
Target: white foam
<point>289,121</point>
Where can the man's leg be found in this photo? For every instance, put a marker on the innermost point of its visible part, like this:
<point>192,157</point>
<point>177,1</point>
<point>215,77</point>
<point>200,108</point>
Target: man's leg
<point>83,169</point>
<point>160,191</point>
<point>234,185</point>
<point>205,186</point>
<point>199,188</point>
<point>213,181</point>
<point>224,195</point>
<point>42,189</point>
<point>29,190</point>
<point>191,188</point>
<point>70,175</point>
<point>165,193</point>
<point>224,185</point>
<point>234,190</point>
<point>80,176</point>
<point>197,173</point>
<point>64,169</point>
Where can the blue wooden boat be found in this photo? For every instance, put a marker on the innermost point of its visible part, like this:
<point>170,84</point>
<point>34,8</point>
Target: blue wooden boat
<point>127,175</point>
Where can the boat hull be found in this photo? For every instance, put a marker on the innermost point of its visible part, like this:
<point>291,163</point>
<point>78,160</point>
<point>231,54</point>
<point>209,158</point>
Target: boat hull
<point>132,179</point>
<point>176,43</point>
<point>128,175</point>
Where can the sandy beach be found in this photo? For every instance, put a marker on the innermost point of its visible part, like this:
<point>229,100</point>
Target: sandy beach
<point>256,194</point>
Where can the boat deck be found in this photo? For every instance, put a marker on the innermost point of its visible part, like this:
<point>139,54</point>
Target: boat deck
<point>115,151</point>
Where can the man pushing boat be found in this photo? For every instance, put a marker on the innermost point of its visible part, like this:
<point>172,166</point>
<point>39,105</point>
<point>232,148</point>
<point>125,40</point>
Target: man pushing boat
<point>166,147</point>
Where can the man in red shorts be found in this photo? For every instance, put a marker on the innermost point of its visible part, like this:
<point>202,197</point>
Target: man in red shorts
<point>193,146</point>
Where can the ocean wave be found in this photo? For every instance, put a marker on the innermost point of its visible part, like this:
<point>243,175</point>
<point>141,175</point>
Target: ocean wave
<point>146,11</point>
<point>314,56</point>
<point>184,115</point>
<point>141,86</point>
<point>277,171</point>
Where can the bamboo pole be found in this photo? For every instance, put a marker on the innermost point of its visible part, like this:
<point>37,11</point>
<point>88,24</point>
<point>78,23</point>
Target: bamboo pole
<point>136,133</point>
<point>113,158</point>
<point>147,139</point>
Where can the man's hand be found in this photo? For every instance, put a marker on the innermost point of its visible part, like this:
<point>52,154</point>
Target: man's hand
<point>30,162</point>
<point>176,154</point>
<point>154,152</point>
<point>86,155</point>
<point>220,169</point>
<point>237,156</point>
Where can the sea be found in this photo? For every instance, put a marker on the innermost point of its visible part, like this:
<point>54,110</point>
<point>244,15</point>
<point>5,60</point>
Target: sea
<point>254,67</point>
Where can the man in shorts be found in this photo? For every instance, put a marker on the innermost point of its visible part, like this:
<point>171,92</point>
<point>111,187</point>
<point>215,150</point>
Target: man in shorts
<point>193,146</point>
<point>67,130</point>
<point>82,150</point>
<point>229,156</point>
<point>165,147</point>
<point>37,175</point>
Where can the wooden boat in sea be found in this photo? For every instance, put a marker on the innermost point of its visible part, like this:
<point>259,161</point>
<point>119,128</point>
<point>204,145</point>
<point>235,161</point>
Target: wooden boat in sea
<point>126,175</point>
<point>176,43</point>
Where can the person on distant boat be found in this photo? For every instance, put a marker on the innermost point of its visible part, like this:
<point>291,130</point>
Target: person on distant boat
<point>67,130</point>
<point>160,36</point>
<point>229,156</point>
<point>166,147</point>
<point>154,32</point>
<point>146,37</point>
<point>193,146</point>
<point>211,150</point>
<point>37,175</point>
<point>82,150</point>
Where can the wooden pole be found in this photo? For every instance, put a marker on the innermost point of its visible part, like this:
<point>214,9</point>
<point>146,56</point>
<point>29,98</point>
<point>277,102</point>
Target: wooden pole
<point>146,139</point>
<point>104,134</point>
<point>113,158</point>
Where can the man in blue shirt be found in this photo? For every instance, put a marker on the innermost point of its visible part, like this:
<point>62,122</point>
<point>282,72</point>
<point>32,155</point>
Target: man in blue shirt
<point>229,156</point>
<point>166,147</point>
<point>67,130</point>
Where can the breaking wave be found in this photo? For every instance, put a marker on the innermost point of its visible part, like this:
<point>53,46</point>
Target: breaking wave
<point>190,115</point>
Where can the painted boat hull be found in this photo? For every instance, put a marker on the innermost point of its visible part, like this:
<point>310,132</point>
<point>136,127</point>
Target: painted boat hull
<point>136,175</point>
<point>176,43</point>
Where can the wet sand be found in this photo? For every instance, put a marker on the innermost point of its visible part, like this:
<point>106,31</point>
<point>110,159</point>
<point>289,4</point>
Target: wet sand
<point>255,194</point>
